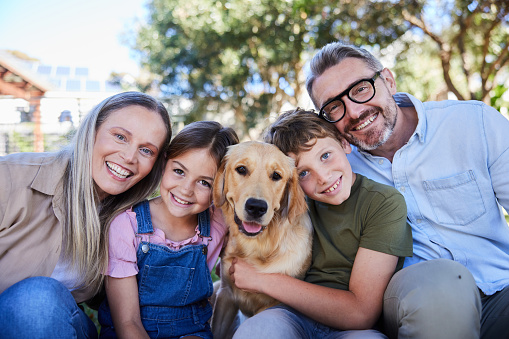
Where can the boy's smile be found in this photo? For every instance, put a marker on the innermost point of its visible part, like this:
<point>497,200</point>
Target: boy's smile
<point>333,187</point>
<point>324,171</point>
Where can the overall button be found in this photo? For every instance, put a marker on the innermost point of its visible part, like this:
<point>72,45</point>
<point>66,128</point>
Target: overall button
<point>144,248</point>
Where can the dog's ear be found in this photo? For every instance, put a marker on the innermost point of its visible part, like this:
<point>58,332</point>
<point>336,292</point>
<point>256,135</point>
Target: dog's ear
<point>218,194</point>
<point>293,204</point>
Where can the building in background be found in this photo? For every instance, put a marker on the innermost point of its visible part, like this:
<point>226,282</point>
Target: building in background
<point>41,104</point>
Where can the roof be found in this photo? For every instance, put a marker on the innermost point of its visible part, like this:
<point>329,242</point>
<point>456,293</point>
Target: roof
<point>14,73</point>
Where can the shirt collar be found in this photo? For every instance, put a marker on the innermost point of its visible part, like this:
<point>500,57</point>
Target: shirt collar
<point>50,174</point>
<point>407,100</point>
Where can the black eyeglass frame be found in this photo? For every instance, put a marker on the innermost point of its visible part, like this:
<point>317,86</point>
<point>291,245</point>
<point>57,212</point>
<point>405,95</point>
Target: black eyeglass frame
<point>347,93</point>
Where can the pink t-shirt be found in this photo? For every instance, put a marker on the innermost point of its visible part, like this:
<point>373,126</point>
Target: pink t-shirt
<point>123,242</point>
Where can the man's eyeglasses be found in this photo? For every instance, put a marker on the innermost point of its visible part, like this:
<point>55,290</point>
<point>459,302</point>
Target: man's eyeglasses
<point>360,92</point>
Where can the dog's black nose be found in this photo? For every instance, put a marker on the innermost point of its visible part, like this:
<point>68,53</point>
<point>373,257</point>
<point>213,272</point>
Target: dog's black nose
<point>256,207</point>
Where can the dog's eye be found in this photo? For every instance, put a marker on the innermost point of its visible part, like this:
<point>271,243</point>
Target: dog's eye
<point>241,170</point>
<point>276,176</point>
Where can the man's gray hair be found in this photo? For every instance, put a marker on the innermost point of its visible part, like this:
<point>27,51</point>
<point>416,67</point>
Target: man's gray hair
<point>332,54</point>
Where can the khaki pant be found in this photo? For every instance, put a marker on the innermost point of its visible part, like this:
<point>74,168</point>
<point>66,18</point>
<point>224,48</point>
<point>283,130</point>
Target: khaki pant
<point>439,299</point>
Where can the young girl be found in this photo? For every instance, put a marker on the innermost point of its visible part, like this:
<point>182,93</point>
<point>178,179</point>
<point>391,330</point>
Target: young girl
<point>163,250</point>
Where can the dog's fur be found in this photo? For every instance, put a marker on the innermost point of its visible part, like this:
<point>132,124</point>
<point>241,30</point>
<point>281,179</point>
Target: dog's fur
<point>264,207</point>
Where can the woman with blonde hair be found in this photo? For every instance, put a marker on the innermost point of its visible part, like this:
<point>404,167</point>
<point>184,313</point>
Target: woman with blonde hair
<point>55,211</point>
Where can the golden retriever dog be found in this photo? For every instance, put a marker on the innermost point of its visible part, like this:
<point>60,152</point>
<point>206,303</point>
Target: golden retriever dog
<point>258,190</point>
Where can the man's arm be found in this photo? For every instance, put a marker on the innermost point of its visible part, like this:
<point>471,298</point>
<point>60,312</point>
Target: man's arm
<point>496,130</point>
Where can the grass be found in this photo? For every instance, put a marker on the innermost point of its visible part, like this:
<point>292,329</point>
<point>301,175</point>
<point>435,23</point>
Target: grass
<point>92,314</point>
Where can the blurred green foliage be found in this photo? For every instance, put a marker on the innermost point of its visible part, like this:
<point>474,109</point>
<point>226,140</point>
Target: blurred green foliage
<point>248,57</point>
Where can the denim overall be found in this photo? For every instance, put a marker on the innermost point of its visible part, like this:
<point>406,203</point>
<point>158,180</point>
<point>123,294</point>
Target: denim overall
<point>173,286</point>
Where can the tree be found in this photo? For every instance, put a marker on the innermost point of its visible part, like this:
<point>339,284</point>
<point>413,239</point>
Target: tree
<point>468,40</point>
<point>472,44</point>
<point>227,56</point>
<point>247,57</point>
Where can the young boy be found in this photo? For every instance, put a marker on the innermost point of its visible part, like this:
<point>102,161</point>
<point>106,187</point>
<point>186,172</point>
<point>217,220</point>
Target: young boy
<point>361,238</point>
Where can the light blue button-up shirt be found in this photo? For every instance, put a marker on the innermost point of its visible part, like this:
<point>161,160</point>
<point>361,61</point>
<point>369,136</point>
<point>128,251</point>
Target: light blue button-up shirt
<point>454,175</point>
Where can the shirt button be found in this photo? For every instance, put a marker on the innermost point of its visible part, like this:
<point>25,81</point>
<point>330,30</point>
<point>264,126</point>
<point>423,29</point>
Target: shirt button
<point>418,221</point>
<point>402,188</point>
<point>380,162</point>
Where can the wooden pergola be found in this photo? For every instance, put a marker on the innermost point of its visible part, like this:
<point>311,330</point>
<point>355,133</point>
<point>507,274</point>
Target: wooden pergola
<point>18,82</point>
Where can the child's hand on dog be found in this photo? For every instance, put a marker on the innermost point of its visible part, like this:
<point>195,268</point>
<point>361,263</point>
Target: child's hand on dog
<point>245,276</point>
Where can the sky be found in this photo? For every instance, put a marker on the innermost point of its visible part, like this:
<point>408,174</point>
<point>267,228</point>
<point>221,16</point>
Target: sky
<point>83,33</point>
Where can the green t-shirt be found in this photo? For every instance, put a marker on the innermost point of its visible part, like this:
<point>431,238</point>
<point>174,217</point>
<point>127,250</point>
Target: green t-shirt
<point>373,217</point>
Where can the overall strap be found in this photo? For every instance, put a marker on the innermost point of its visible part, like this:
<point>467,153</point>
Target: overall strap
<point>204,223</point>
<point>143,218</point>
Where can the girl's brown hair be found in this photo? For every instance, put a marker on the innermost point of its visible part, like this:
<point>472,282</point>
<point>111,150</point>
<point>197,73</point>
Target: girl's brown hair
<point>210,135</point>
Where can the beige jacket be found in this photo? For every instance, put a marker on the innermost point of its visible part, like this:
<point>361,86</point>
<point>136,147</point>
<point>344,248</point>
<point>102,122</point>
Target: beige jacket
<point>31,216</point>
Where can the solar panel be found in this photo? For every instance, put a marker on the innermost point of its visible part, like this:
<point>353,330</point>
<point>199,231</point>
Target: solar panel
<point>44,69</point>
<point>93,86</point>
<point>81,72</point>
<point>73,85</point>
<point>63,71</point>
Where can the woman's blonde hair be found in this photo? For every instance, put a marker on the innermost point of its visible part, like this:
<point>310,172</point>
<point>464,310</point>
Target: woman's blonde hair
<point>86,227</point>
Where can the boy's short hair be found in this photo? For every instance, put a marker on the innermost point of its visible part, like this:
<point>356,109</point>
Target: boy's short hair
<point>296,130</point>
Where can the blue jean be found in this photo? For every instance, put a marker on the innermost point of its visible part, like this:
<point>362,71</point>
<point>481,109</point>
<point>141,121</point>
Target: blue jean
<point>41,307</point>
<point>495,315</point>
<point>284,322</point>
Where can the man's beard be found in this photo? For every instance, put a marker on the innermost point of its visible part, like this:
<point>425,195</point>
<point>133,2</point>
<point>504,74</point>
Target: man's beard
<point>374,138</point>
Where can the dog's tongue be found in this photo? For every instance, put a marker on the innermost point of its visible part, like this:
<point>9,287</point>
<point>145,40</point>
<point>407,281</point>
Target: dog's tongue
<point>251,227</point>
